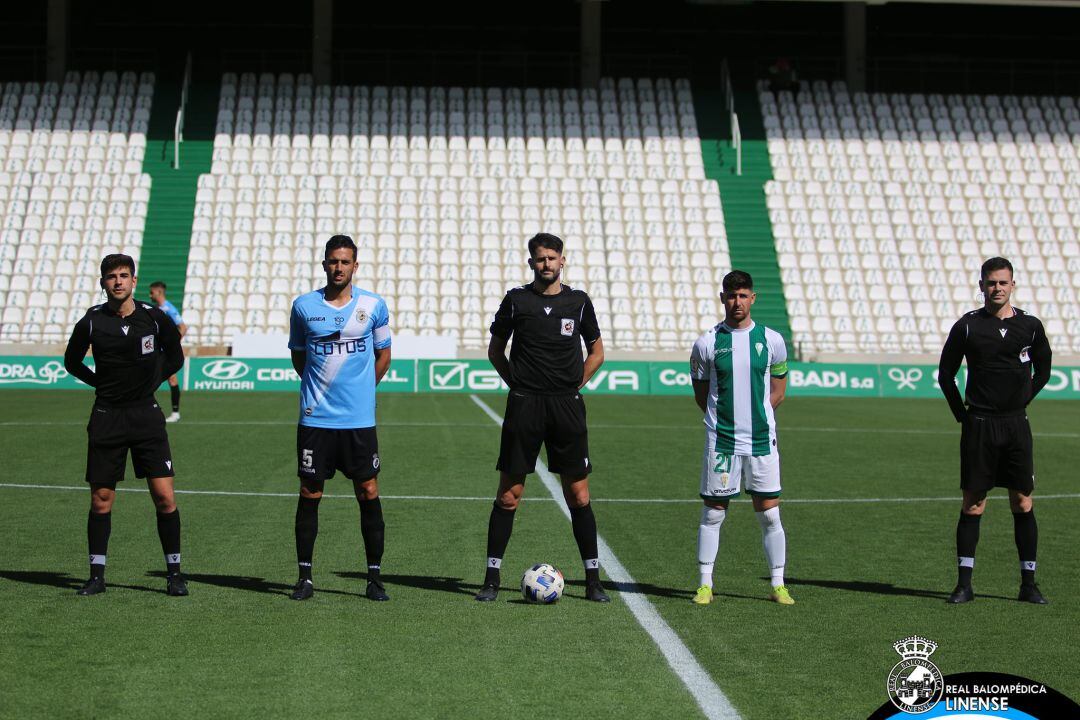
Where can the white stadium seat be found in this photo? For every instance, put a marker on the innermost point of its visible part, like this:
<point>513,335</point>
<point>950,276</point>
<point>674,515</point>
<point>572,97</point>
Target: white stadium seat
<point>424,195</point>
<point>72,190</point>
<point>927,188</point>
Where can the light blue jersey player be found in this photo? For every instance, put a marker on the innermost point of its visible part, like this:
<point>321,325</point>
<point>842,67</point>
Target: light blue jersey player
<point>339,336</point>
<point>157,295</point>
<point>337,389</point>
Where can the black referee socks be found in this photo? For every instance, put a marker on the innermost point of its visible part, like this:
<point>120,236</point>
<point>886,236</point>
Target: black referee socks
<point>174,395</point>
<point>500,527</point>
<point>168,529</point>
<point>967,537</point>
<point>373,529</point>
<point>307,529</point>
<point>1026,533</point>
<point>584,523</point>
<point>98,527</point>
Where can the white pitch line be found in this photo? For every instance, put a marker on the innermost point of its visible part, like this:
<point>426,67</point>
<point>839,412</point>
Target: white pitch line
<point>611,426</point>
<point>710,698</point>
<point>487,498</point>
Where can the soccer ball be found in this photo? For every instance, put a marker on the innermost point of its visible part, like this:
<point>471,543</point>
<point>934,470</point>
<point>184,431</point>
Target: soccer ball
<point>542,583</point>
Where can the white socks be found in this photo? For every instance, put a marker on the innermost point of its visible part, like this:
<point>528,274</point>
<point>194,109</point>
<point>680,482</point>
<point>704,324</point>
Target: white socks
<point>772,537</point>
<point>708,541</point>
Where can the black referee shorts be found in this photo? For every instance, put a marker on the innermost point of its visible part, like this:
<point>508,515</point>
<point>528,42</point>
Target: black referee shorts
<point>996,451</point>
<point>321,452</point>
<point>112,431</point>
<point>557,422</point>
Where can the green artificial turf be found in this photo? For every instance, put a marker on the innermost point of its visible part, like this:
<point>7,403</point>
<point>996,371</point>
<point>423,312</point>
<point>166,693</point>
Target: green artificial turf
<point>864,574</point>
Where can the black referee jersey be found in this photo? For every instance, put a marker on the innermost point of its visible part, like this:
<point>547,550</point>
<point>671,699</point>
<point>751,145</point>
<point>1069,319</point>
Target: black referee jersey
<point>545,357</point>
<point>1008,363</point>
<point>132,355</point>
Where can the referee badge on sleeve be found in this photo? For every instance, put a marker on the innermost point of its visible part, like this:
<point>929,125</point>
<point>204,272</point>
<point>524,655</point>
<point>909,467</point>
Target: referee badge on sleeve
<point>567,327</point>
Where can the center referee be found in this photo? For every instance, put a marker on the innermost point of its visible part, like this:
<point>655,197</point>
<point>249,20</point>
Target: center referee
<point>136,346</point>
<point>549,322</point>
<point>1008,359</point>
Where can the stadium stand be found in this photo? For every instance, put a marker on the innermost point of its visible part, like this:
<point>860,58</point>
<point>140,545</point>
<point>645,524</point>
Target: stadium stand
<point>441,187</point>
<point>72,190</point>
<point>883,206</point>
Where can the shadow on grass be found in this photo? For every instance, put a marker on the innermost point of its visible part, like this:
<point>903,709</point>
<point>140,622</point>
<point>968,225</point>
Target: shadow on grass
<point>878,588</point>
<point>457,586</point>
<point>247,583</point>
<point>647,589</point>
<point>423,582</point>
<point>62,580</point>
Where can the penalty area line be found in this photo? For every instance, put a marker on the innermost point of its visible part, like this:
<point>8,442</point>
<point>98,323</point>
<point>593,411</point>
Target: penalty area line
<point>708,695</point>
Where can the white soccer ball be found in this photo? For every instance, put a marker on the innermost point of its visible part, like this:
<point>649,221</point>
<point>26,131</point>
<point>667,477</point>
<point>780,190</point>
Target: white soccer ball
<point>542,583</point>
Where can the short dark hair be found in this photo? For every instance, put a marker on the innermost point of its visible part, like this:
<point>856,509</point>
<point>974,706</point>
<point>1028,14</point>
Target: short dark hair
<point>157,284</point>
<point>545,240</point>
<point>337,242</point>
<point>115,260</point>
<point>994,264</point>
<point>737,280</point>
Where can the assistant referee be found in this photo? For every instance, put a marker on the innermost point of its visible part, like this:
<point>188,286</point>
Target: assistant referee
<point>1008,359</point>
<point>136,347</point>
<point>549,322</point>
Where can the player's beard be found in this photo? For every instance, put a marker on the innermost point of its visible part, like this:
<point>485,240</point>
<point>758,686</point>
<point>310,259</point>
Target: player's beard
<point>538,277</point>
<point>335,285</point>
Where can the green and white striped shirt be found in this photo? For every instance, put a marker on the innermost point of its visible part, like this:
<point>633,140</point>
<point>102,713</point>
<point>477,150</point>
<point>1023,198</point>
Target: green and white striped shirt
<point>738,365</point>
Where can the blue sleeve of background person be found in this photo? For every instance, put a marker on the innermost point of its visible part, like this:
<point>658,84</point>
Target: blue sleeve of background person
<point>297,328</point>
<point>380,326</point>
<point>169,309</point>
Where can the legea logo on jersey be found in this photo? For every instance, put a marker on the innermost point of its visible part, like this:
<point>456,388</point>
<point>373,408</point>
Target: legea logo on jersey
<point>225,369</point>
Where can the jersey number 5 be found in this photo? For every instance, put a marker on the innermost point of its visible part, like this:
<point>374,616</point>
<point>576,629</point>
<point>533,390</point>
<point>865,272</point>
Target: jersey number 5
<point>307,459</point>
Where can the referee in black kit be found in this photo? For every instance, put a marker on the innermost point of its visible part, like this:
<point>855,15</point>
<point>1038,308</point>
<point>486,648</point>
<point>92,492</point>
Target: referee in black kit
<point>548,321</point>
<point>136,347</point>
<point>1008,359</point>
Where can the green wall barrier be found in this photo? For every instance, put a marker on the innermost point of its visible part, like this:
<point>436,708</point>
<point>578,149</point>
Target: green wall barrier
<point>615,377</point>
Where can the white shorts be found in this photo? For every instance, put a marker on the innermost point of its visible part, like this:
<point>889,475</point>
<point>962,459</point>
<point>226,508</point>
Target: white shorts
<point>725,476</point>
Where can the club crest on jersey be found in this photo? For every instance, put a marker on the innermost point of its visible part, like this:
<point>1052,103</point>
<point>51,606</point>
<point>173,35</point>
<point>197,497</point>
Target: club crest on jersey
<point>759,347</point>
<point>567,327</point>
<point>148,345</point>
<point>361,315</point>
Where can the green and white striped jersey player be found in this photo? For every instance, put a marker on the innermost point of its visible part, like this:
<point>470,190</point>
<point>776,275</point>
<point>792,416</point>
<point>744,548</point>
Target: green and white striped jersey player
<point>739,373</point>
